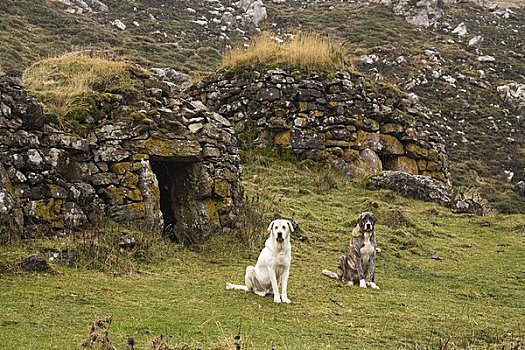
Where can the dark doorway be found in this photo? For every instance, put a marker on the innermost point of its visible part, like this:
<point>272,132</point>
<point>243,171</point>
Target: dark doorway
<point>175,184</point>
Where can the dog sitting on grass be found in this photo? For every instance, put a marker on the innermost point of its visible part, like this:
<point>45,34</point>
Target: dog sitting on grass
<point>359,260</point>
<point>273,265</point>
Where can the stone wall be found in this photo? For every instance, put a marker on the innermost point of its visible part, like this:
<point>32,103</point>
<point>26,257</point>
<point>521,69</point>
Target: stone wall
<point>360,126</point>
<point>152,157</point>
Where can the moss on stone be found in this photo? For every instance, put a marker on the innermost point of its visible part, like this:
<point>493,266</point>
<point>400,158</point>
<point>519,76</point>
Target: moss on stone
<point>222,188</point>
<point>166,148</point>
<point>211,210</point>
<point>121,168</point>
<point>116,194</point>
<point>48,211</point>
<point>130,180</point>
<point>416,150</point>
<point>134,194</point>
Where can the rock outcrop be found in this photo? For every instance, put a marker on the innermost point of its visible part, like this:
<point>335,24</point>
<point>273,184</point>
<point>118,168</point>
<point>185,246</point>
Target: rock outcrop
<point>360,126</point>
<point>519,188</point>
<point>412,186</point>
<point>513,94</point>
<point>151,157</point>
<point>81,6</point>
<point>424,13</point>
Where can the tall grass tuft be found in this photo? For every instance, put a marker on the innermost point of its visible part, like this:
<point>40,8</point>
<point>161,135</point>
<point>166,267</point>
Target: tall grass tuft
<point>302,50</point>
<point>67,81</point>
<point>254,220</point>
<point>99,249</point>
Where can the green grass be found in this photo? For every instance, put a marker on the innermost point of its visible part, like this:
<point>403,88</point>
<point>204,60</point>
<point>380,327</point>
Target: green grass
<point>472,299</point>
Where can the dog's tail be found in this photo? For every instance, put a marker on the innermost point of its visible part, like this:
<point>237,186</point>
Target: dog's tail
<point>330,274</point>
<point>236,287</point>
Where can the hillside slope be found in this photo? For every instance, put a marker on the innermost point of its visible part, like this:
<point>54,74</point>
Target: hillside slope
<point>444,279</point>
<point>467,82</point>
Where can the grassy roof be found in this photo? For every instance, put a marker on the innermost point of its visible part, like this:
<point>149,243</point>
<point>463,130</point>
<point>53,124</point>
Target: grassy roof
<point>303,50</point>
<point>68,81</point>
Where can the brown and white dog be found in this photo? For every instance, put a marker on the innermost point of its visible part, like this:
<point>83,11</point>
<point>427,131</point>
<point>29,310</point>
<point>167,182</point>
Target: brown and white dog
<point>273,265</point>
<point>359,260</point>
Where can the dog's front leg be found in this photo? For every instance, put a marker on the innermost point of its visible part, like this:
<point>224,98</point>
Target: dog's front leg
<point>284,285</point>
<point>275,286</point>
<point>359,266</point>
<point>372,283</point>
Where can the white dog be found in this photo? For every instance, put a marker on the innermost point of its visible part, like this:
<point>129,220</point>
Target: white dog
<point>273,265</point>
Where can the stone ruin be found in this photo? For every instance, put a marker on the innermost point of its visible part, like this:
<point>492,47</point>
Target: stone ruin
<point>155,157</point>
<point>163,159</point>
<point>360,126</point>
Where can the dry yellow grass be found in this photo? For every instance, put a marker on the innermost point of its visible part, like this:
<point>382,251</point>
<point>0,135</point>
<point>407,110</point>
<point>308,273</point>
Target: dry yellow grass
<point>64,82</point>
<point>309,51</point>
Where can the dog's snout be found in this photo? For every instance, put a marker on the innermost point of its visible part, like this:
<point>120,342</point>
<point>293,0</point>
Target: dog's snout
<point>368,226</point>
<point>279,236</point>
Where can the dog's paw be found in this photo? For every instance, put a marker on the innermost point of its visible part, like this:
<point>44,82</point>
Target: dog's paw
<point>285,299</point>
<point>373,285</point>
<point>362,283</point>
<point>276,299</point>
<point>229,285</point>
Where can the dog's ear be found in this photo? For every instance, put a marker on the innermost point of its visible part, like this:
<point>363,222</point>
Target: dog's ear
<point>290,226</point>
<point>270,226</point>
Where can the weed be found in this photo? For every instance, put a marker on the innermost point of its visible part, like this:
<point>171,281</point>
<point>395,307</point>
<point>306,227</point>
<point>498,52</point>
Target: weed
<point>99,335</point>
<point>158,343</point>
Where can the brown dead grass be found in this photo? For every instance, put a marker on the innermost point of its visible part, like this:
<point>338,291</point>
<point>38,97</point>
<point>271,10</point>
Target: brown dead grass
<point>64,82</point>
<point>303,50</point>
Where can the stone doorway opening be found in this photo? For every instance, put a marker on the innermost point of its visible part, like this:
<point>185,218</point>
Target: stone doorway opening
<point>176,197</point>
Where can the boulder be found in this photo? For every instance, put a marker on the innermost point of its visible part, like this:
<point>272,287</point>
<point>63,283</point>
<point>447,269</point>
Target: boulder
<point>519,188</point>
<point>424,13</point>
<point>468,206</point>
<point>412,186</point>
<point>35,263</point>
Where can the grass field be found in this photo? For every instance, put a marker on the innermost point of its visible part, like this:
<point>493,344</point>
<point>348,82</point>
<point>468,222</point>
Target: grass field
<point>471,299</point>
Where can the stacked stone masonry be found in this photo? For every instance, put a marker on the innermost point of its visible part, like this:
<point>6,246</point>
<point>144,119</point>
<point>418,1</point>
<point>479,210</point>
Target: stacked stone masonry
<point>360,126</point>
<point>151,156</point>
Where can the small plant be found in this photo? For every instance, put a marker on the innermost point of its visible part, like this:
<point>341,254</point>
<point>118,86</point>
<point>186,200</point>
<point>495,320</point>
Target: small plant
<point>99,335</point>
<point>158,344</point>
<point>303,50</point>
